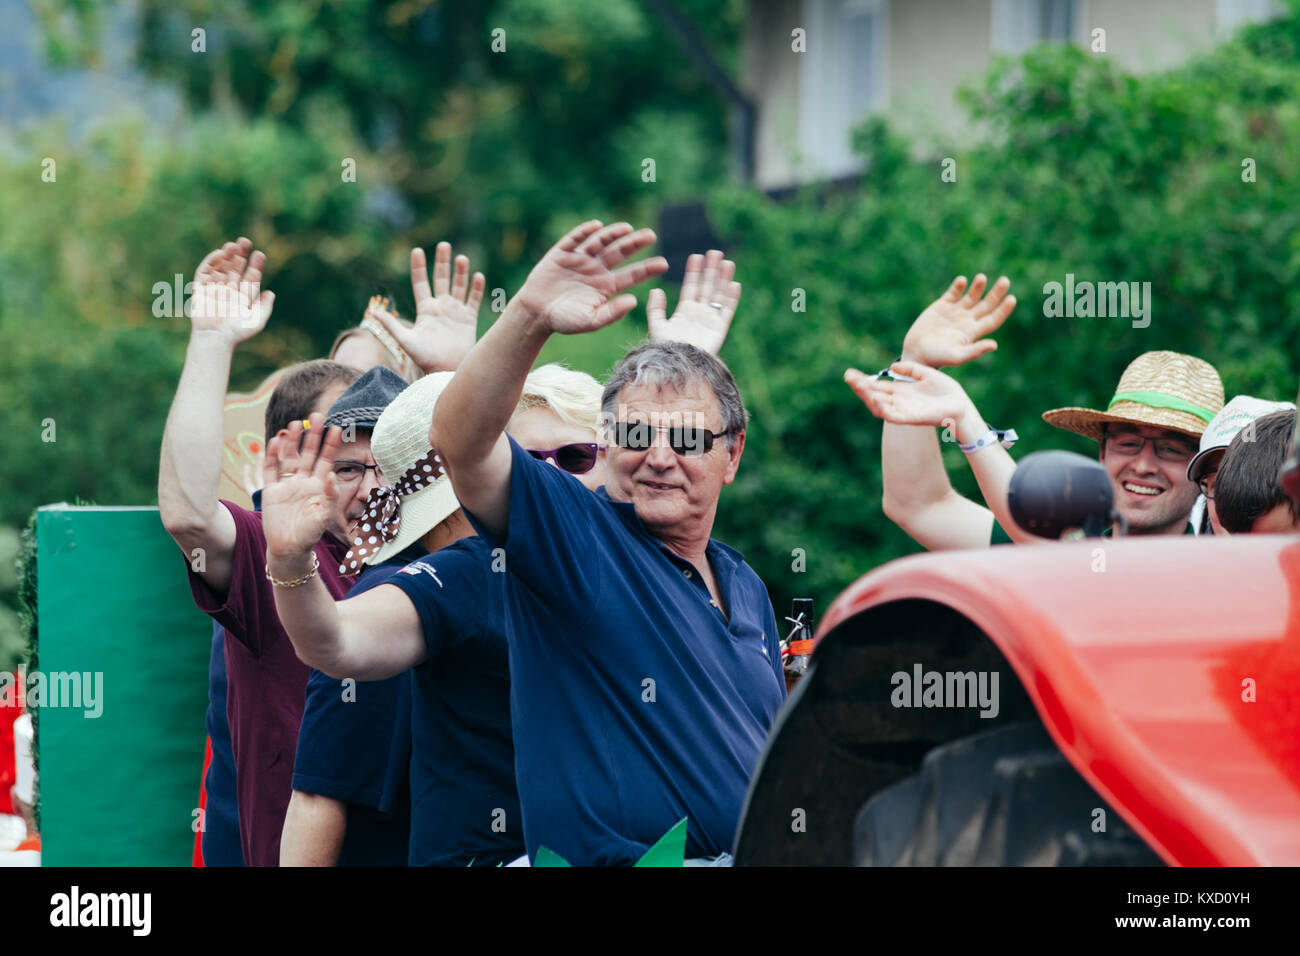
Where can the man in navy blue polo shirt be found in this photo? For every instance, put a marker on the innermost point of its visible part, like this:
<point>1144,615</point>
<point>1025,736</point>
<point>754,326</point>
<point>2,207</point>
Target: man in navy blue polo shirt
<point>644,662</point>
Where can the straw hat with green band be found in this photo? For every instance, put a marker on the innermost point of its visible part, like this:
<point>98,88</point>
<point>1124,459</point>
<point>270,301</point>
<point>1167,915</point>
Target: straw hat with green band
<point>1159,389</point>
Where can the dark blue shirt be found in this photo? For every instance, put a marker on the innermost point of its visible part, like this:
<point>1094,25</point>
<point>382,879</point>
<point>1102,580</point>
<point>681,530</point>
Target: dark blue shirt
<point>635,700</point>
<point>221,846</point>
<point>355,744</point>
<point>464,805</point>
<point>221,811</point>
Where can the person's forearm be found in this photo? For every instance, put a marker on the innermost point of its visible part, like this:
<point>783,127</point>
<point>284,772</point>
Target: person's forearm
<point>371,637</point>
<point>189,472</point>
<point>477,404</point>
<point>912,472</point>
<point>993,468</point>
<point>314,828</point>
<point>309,614</point>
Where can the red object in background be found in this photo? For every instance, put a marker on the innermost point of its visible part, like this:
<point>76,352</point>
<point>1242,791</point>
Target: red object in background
<point>1139,655</point>
<point>203,802</point>
<point>10,710</point>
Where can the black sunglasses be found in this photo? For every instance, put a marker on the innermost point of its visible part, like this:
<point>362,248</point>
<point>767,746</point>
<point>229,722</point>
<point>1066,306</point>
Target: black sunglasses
<point>639,436</point>
<point>577,458</point>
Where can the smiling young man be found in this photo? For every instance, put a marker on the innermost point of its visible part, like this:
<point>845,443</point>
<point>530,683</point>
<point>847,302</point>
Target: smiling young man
<point>1147,436</point>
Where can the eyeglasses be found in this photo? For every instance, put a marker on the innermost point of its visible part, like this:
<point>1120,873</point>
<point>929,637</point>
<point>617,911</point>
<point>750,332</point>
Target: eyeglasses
<point>577,458</point>
<point>352,472</point>
<point>639,436</point>
<point>1131,443</point>
<point>1206,484</point>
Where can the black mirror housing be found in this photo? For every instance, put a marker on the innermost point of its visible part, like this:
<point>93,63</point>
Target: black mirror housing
<point>1053,491</point>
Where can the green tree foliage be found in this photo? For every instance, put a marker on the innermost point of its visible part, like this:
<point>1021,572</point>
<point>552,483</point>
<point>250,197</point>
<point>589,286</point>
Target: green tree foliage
<point>498,151</point>
<point>497,123</point>
<point>94,335</point>
<point>1079,168</point>
<point>1082,169</point>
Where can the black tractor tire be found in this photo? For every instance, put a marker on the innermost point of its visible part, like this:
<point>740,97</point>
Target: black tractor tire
<point>1007,797</point>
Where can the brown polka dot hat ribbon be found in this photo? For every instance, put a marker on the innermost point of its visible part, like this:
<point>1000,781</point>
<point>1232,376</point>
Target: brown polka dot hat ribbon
<point>382,519</point>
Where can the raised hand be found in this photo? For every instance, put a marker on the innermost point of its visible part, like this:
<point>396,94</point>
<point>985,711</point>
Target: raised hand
<point>706,307</point>
<point>952,329</point>
<point>446,314</point>
<point>576,286</point>
<point>227,296</point>
<point>299,493</point>
<point>933,399</point>
<point>221,260</point>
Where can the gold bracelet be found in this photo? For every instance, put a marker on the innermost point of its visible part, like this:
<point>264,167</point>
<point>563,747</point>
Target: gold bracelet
<point>315,566</point>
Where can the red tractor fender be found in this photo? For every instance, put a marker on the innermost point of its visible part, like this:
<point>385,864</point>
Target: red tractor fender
<point>1166,669</point>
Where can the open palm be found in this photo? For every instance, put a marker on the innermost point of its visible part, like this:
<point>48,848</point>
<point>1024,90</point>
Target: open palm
<point>952,329</point>
<point>933,399</point>
<point>705,309</point>
<point>226,258</point>
<point>299,494</point>
<point>446,313</point>
<point>576,286</point>
<point>228,296</point>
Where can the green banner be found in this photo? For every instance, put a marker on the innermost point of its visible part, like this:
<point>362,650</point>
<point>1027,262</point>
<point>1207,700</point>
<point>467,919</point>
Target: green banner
<point>122,688</point>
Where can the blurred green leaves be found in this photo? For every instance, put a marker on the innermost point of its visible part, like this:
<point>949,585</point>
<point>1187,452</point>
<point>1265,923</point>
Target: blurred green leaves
<point>1079,168</point>
<point>1082,169</point>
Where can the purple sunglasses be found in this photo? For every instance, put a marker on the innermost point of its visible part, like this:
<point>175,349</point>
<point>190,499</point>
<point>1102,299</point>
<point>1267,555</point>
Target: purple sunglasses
<point>577,458</point>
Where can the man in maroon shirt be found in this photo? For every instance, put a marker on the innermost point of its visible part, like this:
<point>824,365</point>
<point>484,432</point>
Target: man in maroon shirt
<point>224,545</point>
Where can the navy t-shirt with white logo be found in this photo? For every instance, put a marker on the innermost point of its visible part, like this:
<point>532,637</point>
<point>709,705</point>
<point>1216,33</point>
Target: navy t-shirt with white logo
<point>464,804</point>
<point>354,745</point>
<point>635,700</point>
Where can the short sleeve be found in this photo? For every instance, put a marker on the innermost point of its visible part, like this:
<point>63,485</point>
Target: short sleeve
<point>552,536</point>
<point>341,752</point>
<point>371,578</point>
<point>242,608</point>
<point>345,740</point>
<point>452,590</point>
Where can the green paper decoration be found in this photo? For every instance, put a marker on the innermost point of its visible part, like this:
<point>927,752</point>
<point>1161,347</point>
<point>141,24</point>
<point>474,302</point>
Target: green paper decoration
<point>668,850</point>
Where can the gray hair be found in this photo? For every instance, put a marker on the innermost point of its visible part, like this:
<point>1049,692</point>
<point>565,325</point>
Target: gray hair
<point>677,365</point>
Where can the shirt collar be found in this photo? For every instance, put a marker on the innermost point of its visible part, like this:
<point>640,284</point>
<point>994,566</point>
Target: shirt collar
<point>625,509</point>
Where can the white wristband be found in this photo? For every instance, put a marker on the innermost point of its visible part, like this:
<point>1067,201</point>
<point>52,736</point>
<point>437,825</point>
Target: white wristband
<point>1006,438</point>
